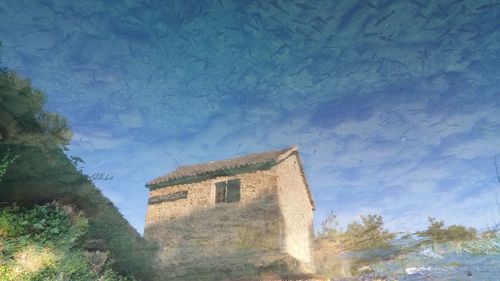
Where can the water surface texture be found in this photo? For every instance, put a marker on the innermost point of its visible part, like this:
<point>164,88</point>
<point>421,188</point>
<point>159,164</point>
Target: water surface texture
<point>394,105</point>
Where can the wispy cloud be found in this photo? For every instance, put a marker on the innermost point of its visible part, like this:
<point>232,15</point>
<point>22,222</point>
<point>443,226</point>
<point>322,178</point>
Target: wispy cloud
<point>399,118</point>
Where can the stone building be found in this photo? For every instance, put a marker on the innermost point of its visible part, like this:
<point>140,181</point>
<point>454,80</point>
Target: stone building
<point>247,217</point>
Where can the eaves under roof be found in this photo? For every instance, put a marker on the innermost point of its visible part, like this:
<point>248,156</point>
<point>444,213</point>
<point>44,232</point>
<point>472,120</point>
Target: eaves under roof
<point>244,164</point>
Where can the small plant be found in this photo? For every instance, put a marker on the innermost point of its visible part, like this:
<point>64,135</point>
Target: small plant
<point>79,165</point>
<point>5,162</point>
<point>330,226</point>
<point>369,234</point>
<point>343,253</point>
<point>437,233</point>
<point>42,243</point>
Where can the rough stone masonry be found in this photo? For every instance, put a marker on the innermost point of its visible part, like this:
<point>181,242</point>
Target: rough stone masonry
<point>243,218</point>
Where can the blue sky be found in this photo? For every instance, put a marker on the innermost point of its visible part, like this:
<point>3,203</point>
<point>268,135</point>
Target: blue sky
<point>394,105</point>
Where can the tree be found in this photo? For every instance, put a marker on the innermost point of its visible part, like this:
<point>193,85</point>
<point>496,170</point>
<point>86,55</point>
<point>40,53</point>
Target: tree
<point>367,234</point>
<point>436,232</point>
<point>22,118</point>
<point>44,173</point>
<point>330,226</point>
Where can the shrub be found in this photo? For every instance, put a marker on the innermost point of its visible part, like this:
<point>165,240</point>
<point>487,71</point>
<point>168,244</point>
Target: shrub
<point>436,232</point>
<point>44,173</point>
<point>360,243</point>
<point>22,118</point>
<point>369,234</point>
<point>330,226</point>
<point>364,235</point>
<point>41,243</point>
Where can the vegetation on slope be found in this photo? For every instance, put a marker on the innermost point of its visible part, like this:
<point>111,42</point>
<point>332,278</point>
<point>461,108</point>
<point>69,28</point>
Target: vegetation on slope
<point>43,243</point>
<point>437,233</point>
<point>369,233</point>
<point>42,173</point>
<point>366,248</point>
<point>365,241</point>
<point>5,161</point>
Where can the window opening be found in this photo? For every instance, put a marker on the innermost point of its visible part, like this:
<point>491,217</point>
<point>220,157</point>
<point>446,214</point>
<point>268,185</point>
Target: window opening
<point>227,191</point>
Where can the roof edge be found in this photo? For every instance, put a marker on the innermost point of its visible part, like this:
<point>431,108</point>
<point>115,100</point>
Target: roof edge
<point>292,150</point>
<point>214,174</point>
<point>285,153</point>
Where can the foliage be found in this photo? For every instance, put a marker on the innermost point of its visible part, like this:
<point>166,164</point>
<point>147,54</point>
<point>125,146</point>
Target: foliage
<point>369,234</point>
<point>481,246</point>
<point>2,69</point>
<point>132,254</point>
<point>39,176</point>
<point>436,232</point>
<point>35,224</point>
<point>42,243</point>
<point>22,118</point>
<point>79,164</point>
<point>340,252</point>
<point>364,235</point>
<point>330,226</point>
<point>5,162</point>
<point>44,173</point>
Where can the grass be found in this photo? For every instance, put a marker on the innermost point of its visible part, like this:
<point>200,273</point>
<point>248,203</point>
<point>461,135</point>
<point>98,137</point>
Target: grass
<point>481,246</point>
<point>44,243</point>
<point>35,169</point>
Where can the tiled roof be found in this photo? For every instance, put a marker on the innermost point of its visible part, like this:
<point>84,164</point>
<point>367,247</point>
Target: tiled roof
<point>213,168</point>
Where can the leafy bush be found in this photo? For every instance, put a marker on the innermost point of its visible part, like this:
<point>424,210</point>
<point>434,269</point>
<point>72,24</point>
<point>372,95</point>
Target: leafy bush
<point>22,118</point>
<point>438,234</point>
<point>367,234</point>
<point>41,243</point>
<point>35,224</point>
<point>44,173</point>
<point>330,226</point>
<point>342,253</point>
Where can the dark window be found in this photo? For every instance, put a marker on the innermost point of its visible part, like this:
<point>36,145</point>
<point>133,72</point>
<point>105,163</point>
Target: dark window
<point>220,192</point>
<point>233,191</point>
<point>227,191</point>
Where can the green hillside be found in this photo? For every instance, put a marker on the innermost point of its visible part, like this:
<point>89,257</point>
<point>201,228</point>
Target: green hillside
<point>42,243</point>
<point>40,172</point>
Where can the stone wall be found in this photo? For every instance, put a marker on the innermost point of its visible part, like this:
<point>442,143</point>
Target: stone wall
<point>201,195</point>
<point>297,211</point>
<point>268,230</point>
<point>199,239</point>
